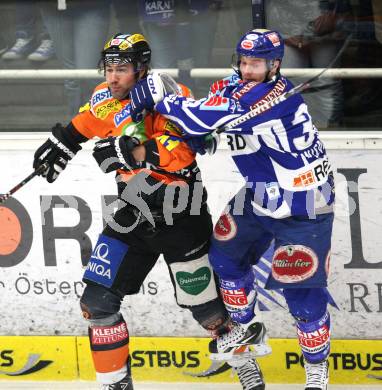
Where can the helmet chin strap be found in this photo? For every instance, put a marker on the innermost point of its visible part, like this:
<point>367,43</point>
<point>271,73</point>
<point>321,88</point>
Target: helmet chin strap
<point>269,64</point>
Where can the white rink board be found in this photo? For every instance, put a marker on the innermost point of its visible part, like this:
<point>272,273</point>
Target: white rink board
<point>40,299</point>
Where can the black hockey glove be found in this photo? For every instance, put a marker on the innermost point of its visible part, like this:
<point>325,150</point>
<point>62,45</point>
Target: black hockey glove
<point>205,144</point>
<point>113,153</point>
<point>57,151</point>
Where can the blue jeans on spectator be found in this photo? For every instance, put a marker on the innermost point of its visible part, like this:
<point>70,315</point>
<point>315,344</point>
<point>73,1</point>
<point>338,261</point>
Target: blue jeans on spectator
<point>78,33</point>
<point>27,14</point>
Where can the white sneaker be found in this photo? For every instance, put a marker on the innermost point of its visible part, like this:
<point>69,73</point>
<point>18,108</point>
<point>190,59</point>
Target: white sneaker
<point>18,50</point>
<point>317,375</point>
<point>44,52</point>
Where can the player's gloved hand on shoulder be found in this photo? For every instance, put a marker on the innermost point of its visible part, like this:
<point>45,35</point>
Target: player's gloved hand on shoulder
<point>206,144</point>
<point>56,151</point>
<point>145,94</point>
<point>114,153</point>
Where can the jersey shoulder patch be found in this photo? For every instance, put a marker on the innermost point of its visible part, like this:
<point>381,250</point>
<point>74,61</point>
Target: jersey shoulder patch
<point>216,103</point>
<point>85,107</point>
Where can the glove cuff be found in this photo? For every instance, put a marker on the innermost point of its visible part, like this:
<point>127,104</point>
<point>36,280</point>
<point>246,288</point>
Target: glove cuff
<point>123,146</point>
<point>63,136</point>
<point>62,147</point>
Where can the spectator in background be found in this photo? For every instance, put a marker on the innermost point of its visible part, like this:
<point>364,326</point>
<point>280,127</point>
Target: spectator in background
<point>363,108</point>
<point>127,15</point>
<point>181,32</point>
<point>77,28</point>
<point>377,10</point>
<point>3,33</point>
<point>313,35</point>
<point>32,41</point>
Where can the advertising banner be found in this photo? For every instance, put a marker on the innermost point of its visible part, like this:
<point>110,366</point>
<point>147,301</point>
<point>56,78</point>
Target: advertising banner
<point>47,232</point>
<point>175,359</point>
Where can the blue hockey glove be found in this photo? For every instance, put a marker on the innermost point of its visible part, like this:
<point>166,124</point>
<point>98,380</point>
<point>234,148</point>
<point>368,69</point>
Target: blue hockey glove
<point>145,94</point>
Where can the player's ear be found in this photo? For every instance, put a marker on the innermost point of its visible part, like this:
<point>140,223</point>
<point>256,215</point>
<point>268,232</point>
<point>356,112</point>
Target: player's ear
<point>276,65</point>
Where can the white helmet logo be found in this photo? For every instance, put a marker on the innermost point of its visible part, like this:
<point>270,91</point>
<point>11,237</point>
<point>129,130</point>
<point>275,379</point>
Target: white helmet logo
<point>252,37</point>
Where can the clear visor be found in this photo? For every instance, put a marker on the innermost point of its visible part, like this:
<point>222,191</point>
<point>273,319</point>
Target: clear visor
<point>116,59</point>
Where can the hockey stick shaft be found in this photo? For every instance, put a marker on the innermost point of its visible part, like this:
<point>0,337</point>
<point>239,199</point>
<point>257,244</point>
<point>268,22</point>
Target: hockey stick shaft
<point>298,89</point>
<point>36,172</point>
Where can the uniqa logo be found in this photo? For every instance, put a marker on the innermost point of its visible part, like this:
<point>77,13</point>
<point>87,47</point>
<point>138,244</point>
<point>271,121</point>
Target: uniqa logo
<point>101,252</point>
<point>32,365</point>
<point>99,269</point>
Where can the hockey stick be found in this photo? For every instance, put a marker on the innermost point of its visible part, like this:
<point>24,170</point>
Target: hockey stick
<point>305,86</point>
<point>40,169</point>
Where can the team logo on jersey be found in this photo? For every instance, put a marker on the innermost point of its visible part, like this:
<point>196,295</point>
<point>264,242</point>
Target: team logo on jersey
<point>217,86</point>
<point>319,173</point>
<point>225,228</point>
<point>247,44</point>
<point>294,263</point>
<point>122,115</point>
<point>104,110</point>
<point>304,179</point>
<point>247,87</point>
<point>215,103</point>
<point>100,95</point>
<point>278,89</point>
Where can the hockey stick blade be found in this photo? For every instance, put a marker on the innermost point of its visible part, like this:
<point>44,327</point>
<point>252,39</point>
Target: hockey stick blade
<point>305,86</point>
<point>215,368</point>
<point>38,171</point>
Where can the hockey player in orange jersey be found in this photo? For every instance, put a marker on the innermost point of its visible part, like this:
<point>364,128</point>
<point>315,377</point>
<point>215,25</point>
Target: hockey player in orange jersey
<point>154,169</point>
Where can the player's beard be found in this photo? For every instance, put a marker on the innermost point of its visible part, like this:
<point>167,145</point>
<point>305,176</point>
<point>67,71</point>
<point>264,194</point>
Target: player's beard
<point>120,93</point>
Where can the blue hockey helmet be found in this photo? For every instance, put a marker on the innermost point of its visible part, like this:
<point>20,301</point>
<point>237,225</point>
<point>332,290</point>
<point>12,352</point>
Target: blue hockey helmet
<point>261,43</point>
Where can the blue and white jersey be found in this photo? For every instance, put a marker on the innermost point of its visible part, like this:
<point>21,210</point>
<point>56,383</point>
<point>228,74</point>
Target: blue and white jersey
<point>278,152</point>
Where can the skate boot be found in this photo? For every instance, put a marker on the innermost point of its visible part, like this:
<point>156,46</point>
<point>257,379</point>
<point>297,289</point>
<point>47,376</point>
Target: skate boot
<point>317,375</point>
<point>124,384</point>
<point>250,375</point>
<point>231,346</point>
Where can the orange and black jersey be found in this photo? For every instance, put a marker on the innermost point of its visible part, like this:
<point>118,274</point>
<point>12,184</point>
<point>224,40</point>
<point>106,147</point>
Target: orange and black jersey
<point>168,157</point>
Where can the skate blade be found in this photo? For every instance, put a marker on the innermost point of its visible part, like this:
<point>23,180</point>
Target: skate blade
<point>256,350</point>
<point>214,369</point>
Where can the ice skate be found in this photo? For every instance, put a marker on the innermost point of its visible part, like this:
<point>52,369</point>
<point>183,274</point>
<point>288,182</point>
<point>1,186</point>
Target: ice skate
<point>230,345</point>
<point>125,384</point>
<point>250,375</point>
<point>317,375</point>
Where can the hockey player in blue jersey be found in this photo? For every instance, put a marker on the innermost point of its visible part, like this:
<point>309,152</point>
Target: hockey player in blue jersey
<point>288,197</point>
